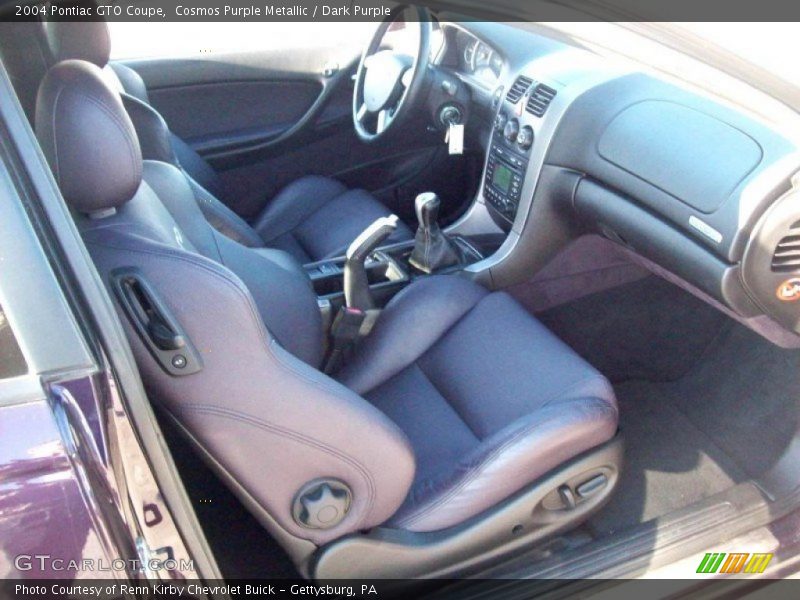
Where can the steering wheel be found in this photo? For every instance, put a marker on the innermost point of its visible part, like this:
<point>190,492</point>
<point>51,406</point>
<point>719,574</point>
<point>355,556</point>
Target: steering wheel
<point>388,83</point>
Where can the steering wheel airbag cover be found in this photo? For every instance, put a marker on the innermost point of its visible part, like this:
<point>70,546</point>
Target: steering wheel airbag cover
<point>382,79</point>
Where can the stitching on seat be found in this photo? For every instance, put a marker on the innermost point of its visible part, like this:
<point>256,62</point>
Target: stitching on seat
<point>309,216</point>
<point>299,242</point>
<point>244,296</point>
<point>226,220</point>
<point>447,330</point>
<point>491,456</point>
<point>293,435</point>
<point>561,395</point>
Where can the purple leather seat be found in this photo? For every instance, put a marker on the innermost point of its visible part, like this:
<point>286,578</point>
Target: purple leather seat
<point>312,218</point>
<point>456,401</point>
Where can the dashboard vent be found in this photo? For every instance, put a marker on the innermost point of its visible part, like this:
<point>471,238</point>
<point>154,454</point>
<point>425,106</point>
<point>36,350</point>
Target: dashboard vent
<point>519,88</point>
<point>540,99</point>
<point>787,253</point>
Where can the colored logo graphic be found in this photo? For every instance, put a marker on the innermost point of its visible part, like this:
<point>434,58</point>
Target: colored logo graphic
<point>789,290</point>
<point>720,562</point>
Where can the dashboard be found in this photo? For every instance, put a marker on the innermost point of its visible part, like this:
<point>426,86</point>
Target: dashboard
<point>480,60</point>
<point>578,143</point>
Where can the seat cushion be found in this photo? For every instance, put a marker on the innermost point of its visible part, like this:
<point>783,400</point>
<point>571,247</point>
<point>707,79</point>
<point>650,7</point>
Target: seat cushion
<point>316,217</point>
<point>490,399</point>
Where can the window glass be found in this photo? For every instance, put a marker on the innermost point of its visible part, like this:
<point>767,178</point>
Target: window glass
<point>12,363</point>
<point>148,40</point>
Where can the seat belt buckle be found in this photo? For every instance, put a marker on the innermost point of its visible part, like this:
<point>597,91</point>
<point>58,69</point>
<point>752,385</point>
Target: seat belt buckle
<point>347,324</point>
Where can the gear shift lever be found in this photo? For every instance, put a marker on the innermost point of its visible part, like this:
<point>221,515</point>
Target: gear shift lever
<point>433,250</point>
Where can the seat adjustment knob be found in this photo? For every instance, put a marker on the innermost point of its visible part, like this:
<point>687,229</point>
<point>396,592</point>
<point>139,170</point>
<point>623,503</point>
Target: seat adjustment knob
<point>592,486</point>
<point>321,504</point>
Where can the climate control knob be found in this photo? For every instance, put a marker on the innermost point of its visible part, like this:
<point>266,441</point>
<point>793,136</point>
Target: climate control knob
<point>511,130</point>
<point>500,121</point>
<point>525,137</point>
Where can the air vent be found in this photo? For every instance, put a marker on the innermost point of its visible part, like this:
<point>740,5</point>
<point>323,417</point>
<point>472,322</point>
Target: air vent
<point>787,253</point>
<point>519,88</point>
<point>540,100</point>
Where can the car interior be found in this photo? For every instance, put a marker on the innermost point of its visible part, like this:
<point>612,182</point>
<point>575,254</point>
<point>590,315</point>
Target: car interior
<point>568,332</point>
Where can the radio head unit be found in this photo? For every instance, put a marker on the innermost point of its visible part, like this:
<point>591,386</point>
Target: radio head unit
<point>505,172</point>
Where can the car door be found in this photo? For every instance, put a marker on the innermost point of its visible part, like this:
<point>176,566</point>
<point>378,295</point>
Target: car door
<point>266,103</point>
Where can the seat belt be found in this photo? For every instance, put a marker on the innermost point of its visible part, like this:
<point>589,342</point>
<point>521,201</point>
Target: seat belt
<point>349,327</point>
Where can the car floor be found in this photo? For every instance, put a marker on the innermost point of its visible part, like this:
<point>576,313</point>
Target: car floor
<point>704,402</point>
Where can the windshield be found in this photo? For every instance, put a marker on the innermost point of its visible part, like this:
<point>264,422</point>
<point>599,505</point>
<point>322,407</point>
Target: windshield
<point>771,46</point>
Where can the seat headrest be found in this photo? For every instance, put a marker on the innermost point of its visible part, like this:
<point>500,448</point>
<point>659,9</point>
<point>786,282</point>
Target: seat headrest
<point>87,137</point>
<point>79,40</point>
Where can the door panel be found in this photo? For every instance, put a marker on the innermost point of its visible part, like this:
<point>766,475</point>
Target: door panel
<point>233,107</point>
<point>212,116</point>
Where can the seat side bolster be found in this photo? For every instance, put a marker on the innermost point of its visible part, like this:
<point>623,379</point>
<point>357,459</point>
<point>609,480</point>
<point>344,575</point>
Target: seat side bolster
<point>270,420</point>
<point>510,460</point>
<point>151,129</point>
<point>131,82</point>
<point>223,219</point>
<point>156,142</point>
<point>411,324</point>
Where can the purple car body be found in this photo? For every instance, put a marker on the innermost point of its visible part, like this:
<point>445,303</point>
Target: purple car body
<point>63,512</point>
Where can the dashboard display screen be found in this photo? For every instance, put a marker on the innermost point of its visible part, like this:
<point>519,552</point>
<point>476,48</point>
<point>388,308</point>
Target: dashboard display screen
<point>501,178</point>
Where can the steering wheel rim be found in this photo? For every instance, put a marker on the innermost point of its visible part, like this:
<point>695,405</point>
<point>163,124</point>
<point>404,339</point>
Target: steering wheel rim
<point>407,84</point>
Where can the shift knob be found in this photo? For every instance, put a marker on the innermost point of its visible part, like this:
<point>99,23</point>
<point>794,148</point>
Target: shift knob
<point>427,207</point>
<point>433,250</point>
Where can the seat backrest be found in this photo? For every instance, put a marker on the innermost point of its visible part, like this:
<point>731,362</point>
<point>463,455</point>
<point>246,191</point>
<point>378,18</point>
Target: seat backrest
<point>91,41</point>
<point>268,422</point>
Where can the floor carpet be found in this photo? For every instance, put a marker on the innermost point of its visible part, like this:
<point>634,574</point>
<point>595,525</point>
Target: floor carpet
<point>705,403</point>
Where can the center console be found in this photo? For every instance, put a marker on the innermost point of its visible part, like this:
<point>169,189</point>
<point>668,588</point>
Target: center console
<point>513,137</point>
<point>388,271</point>
<point>386,275</point>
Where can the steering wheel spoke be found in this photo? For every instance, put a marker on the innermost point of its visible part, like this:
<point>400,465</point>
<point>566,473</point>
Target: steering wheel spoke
<point>362,112</point>
<point>388,83</point>
<point>406,78</point>
<point>385,118</point>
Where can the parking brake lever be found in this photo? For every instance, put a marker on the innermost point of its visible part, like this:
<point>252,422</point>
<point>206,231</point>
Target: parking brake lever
<point>356,282</point>
<point>355,319</point>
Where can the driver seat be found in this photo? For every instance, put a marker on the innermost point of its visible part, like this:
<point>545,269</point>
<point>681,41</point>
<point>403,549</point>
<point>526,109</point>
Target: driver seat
<point>313,218</point>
